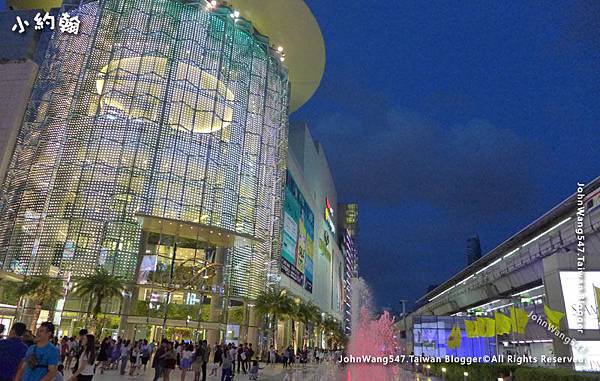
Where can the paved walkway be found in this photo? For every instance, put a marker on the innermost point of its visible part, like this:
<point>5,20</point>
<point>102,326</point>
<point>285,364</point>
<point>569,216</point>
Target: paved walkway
<point>309,373</point>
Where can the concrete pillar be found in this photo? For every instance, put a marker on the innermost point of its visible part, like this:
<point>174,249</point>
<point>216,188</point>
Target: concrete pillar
<point>253,327</point>
<point>129,300</point>
<point>216,300</point>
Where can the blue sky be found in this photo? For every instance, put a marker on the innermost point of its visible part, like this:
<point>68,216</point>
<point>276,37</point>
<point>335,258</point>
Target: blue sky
<point>445,119</point>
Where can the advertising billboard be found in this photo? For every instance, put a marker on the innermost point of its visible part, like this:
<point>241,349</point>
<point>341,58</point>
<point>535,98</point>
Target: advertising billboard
<point>297,249</point>
<point>581,298</point>
<point>587,355</point>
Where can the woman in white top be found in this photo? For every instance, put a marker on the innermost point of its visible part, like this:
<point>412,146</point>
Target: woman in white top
<point>186,360</point>
<point>86,361</point>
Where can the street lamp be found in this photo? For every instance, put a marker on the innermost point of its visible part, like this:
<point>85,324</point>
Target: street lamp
<point>403,301</point>
<point>443,373</point>
<point>466,374</point>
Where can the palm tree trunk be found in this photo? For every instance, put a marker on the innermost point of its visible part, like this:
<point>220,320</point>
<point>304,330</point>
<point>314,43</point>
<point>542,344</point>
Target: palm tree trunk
<point>97,309</point>
<point>89,311</point>
<point>274,330</point>
<point>36,315</point>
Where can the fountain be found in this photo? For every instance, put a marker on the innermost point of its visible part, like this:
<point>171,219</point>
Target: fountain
<point>370,337</point>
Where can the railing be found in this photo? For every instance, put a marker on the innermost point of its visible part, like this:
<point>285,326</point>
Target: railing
<point>527,255</point>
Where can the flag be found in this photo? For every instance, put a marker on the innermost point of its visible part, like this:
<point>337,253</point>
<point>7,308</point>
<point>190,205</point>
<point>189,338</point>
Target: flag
<point>519,319</point>
<point>480,323</point>
<point>503,324</point>
<point>490,327</point>
<point>597,289</point>
<point>554,317</point>
<point>454,338</point>
<point>471,328</point>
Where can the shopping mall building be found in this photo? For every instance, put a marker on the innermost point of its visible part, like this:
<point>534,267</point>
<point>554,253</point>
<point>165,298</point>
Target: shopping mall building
<point>154,144</point>
<point>554,261</point>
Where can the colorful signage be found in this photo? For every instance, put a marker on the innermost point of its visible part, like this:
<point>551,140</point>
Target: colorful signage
<point>581,301</point>
<point>329,215</point>
<point>297,249</point>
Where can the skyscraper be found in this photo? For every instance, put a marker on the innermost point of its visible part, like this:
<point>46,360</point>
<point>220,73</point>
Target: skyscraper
<point>473,249</point>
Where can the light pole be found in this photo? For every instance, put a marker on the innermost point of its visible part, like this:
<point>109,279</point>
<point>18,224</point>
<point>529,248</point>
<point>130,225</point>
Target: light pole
<point>403,302</point>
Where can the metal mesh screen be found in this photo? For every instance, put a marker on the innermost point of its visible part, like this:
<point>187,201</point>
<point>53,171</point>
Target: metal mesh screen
<point>156,107</point>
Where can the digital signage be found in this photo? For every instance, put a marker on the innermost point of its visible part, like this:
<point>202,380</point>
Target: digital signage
<point>297,249</point>
<point>581,296</point>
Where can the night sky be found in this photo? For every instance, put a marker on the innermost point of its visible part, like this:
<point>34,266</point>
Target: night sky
<point>443,119</point>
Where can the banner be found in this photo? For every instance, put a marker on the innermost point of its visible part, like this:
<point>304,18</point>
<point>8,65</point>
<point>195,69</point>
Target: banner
<point>581,301</point>
<point>297,249</point>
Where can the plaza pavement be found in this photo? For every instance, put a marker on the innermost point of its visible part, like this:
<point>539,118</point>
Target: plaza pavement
<point>308,373</point>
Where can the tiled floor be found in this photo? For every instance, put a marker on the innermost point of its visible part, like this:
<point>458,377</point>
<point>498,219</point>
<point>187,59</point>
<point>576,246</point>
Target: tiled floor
<point>308,373</point>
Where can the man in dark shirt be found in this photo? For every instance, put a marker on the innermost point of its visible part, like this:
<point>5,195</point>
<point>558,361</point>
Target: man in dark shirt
<point>159,361</point>
<point>82,334</point>
<point>12,352</point>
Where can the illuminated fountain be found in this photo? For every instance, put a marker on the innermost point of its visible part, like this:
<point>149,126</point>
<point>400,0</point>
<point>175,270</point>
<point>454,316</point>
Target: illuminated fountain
<point>370,336</point>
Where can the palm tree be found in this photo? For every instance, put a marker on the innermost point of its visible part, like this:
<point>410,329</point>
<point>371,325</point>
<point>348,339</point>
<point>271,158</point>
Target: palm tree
<point>308,314</point>
<point>274,303</point>
<point>332,330</point>
<point>43,291</point>
<point>99,286</point>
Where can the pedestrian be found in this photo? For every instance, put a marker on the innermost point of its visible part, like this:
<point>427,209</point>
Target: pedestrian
<point>41,359</point>
<point>232,356</point>
<point>64,348</point>
<point>286,357</point>
<point>134,357</point>
<point>115,354</point>
<point>60,373</point>
<point>272,356</point>
<point>227,369</point>
<point>217,360</point>
<point>85,372</point>
<point>186,360</point>
<point>245,358</point>
<point>71,353</point>
<point>125,349</point>
<point>145,354</point>
<point>197,359</point>
<point>170,361</point>
<point>28,338</point>
<point>103,354</point>
<point>159,360</point>
<point>12,352</point>
<point>205,358</point>
<point>79,348</point>
<point>253,373</point>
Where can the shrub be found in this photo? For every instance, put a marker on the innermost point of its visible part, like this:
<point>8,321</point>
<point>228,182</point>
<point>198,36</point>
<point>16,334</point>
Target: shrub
<point>553,374</point>
<point>490,372</point>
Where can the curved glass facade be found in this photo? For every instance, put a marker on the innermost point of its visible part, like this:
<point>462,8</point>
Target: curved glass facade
<point>156,108</point>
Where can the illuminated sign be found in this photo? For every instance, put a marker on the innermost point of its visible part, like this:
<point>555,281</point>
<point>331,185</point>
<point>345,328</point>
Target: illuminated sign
<point>329,215</point>
<point>581,301</point>
<point>586,355</point>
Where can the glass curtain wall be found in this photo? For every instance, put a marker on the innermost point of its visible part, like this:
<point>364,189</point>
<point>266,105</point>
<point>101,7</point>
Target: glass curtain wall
<point>158,108</point>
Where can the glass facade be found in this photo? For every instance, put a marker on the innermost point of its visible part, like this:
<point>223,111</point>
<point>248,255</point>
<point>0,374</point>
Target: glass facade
<point>157,108</point>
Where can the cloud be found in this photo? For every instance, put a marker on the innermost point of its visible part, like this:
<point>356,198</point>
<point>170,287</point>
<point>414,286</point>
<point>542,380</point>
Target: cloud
<point>405,158</point>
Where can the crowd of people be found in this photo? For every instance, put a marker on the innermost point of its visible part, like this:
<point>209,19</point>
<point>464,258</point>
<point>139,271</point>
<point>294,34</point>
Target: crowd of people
<point>25,357</point>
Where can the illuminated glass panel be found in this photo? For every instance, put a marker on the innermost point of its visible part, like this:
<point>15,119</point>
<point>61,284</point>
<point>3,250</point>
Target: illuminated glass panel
<point>160,108</point>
